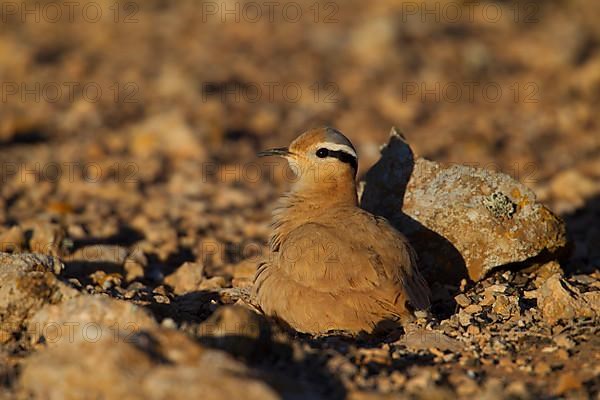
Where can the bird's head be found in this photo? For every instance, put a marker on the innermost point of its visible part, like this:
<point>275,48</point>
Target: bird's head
<point>320,157</point>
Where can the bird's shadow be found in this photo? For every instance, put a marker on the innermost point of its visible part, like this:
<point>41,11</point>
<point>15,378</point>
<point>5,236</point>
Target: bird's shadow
<point>271,359</point>
<point>383,195</point>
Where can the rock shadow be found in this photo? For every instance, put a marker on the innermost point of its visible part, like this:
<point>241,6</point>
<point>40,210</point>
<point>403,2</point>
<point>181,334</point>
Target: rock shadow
<point>383,195</point>
<point>30,136</point>
<point>81,268</point>
<point>126,236</point>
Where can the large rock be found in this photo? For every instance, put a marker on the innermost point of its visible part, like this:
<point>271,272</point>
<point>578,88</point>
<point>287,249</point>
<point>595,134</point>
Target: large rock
<point>462,221</point>
<point>99,347</point>
<point>27,283</point>
<point>158,364</point>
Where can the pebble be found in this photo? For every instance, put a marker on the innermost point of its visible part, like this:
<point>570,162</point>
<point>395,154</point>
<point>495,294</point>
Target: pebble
<point>564,341</point>
<point>542,368</point>
<point>473,330</point>
<point>462,300</point>
<point>473,309</point>
<point>502,306</point>
<point>216,282</point>
<point>161,299</point>
<point>464,319</point>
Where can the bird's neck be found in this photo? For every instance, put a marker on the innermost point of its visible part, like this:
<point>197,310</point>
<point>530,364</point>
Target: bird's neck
<point>307,203</point>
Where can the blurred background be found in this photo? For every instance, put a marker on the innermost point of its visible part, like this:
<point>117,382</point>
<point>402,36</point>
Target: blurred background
<point>143,113</point>
<point>133,126</point>
<point>145,116</point>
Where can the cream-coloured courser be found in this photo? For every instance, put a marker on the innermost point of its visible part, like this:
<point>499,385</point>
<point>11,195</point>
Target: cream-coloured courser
<point>333,266</point>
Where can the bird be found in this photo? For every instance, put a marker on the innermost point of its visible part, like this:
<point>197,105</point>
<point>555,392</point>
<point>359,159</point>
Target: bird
<point>333,267</point>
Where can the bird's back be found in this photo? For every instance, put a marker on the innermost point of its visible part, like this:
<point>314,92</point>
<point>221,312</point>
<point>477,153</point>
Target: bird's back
<point>348,267</point>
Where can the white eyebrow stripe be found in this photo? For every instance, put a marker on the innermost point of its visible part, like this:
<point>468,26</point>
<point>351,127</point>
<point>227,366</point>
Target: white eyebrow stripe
<point>340,147</point>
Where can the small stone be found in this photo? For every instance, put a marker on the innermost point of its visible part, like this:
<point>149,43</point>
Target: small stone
<point>501,306</point>
<point>549,349</point>
<point>166,133</point>
<point>567,382</point>
<point>473,309</point>
<point>506,362</point>
<point>584,279</point>
<point>133,270</point>
<point>47,239</point>
<point>168,323</point>
<point>487,300</point>
<point>564,341</point>
<point>542,368</point>
<point>439,354</point>
<point>498,288</point>
<point>462,300</point>
<point>546,271</point>
<point>421,339</point>
<point>106,281</point>
<point>473,330</point>
<point>518,389</point>
<point>216,282</point>
<point>465,386</point>
<point>562,354</point>
<point>464,319</point>
<point>243,273</point>
<point>187,278</point>
<point>398,379</point>
<point>505,306</point>
<point>160,299</point>
<point>13,240</point>
<point>379,356</point>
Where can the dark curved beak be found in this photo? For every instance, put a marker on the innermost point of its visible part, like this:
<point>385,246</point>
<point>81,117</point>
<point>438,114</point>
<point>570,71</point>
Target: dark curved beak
<point>280,151</point>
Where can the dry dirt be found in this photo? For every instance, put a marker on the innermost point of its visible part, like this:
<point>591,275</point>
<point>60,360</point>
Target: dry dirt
<point>128,133</point>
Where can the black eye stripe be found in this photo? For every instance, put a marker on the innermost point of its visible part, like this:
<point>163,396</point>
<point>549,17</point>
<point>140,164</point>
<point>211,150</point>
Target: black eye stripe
<point>340,155</point>
<point>344,157</point>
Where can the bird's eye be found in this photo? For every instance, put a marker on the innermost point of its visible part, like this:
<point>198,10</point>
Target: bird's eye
<point>322,153</point>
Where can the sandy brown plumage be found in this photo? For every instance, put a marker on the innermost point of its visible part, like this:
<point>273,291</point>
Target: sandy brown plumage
<point>334,266</point>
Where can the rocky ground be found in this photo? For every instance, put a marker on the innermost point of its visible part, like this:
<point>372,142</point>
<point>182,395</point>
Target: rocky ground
<point>127,143</point>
